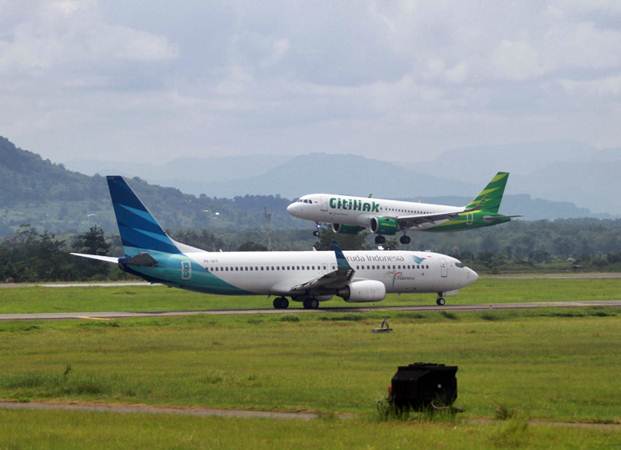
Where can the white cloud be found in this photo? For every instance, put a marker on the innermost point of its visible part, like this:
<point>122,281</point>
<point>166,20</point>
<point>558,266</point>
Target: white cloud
<point>383,77</point>
<point>516,61</point>
<point>601,87</point>
<point>67,35</point>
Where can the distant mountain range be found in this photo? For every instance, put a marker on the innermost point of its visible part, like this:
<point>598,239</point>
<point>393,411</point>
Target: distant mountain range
<point>42,193</point>
<point>563,171</point>
<point>560,171</point>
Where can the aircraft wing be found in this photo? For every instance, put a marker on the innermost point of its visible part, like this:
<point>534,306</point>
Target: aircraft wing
<point>413,221</point>
<point>331,281</point>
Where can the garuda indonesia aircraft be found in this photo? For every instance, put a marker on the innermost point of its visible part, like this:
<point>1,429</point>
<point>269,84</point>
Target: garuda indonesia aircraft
<point>351,215</point>
<point>305,276</point>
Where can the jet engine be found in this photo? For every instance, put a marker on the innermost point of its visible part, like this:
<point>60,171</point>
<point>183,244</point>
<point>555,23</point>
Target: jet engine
<point>346,229</point>
<point>363,291</point>
<point>384,225</point>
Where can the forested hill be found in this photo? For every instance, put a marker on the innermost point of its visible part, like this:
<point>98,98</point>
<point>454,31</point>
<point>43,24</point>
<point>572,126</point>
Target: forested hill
<point>26,177</point>
<point>46,195</point>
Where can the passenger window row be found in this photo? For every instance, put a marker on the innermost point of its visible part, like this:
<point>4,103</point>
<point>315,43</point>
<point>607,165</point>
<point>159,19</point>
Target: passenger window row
<point>404,266</point>
<point>411,211</point>
<point>266,268</point>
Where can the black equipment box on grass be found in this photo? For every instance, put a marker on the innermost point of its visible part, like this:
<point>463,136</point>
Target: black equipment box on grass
<point>420,386</point>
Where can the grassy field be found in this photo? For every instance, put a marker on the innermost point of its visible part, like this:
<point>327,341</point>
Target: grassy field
<point>546,364</point>
<point>68,430</point>
<point>159,298</point>
<point>549,364</point>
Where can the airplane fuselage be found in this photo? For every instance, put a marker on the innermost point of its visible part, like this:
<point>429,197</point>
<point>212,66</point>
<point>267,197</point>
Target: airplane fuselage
<point>358,211</point>
<point>239,273</point>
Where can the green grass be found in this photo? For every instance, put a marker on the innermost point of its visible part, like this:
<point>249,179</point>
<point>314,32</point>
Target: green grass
<point>555,364</point>
<point>72,430</point>
<point>485,290</point>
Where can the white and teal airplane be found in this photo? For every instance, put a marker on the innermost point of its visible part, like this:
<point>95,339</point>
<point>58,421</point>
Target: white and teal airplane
<point>351,215</point>
<point>305,276</point>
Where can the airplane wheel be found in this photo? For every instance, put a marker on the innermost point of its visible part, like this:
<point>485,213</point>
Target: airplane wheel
<point>311,303</point>
<point>440,301</point>
<point>281,303</point>
<point>379,239</point>
<point>316,233</point>
<point>405,240</point>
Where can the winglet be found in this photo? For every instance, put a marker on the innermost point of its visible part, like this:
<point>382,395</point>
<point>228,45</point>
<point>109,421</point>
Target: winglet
<point>341,261</point>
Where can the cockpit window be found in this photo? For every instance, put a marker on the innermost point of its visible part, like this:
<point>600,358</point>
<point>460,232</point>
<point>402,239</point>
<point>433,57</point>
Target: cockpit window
<point>459,264</point>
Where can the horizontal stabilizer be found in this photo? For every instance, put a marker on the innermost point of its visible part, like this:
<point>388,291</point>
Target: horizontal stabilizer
<point>142,259</point>
<point>108,259</point>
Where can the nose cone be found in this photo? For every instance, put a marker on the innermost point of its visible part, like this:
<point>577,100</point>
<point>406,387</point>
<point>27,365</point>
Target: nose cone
<point>293,209</point>
<point>472,275</point>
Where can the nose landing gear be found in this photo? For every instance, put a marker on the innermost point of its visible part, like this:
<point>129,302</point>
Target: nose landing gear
<point>317,231</point>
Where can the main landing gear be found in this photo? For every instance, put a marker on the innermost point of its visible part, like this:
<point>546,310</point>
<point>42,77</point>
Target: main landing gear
<point>440,300</point>
<point>311,303</point>
<point>281,303</point>
<point>405,239</point>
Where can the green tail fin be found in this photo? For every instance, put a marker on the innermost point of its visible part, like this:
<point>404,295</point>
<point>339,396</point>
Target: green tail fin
<point>489,198</point>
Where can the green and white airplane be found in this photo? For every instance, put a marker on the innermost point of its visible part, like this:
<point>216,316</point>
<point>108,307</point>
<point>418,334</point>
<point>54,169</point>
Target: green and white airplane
<point>305,276</point>
<point>351,215</point>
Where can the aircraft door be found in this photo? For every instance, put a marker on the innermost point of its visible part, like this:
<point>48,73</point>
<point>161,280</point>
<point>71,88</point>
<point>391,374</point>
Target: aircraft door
<point>323,204</point>
<point>444,270</point>
<point>469,218</point>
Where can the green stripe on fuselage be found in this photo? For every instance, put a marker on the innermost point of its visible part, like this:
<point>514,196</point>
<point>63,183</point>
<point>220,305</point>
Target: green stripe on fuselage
<point>468,221</point>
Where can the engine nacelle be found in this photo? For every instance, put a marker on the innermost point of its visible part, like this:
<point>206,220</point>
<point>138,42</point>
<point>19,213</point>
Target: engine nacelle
<point>363,291</point>
<point>346,229</point>
<point>384,225</point>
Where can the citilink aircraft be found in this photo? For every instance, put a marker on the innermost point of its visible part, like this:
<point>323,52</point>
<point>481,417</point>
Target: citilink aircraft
<point>351,215</point>
<point>305,276</point>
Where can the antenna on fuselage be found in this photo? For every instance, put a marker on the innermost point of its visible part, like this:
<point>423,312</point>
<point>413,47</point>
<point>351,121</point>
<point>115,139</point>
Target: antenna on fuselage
<point>370,195</point>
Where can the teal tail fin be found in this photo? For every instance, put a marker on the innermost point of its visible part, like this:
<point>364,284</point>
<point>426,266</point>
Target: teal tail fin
<point>138,228</point>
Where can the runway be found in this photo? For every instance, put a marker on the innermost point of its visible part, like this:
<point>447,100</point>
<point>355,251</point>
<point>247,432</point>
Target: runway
<point>107,315</point>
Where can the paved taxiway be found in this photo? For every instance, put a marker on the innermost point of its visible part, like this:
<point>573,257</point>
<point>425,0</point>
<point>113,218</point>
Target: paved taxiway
<point>105,315</point>
<point>243,413</point>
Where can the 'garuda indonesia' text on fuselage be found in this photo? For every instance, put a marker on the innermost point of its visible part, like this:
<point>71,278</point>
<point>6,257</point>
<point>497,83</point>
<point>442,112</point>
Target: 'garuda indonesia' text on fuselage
<point>307,276</point>
<point>350,215</point>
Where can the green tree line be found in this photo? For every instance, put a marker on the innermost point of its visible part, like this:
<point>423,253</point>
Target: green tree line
<point>29,255</point>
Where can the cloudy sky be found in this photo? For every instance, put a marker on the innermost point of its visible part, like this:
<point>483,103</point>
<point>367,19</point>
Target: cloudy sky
<point>397,80</point>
